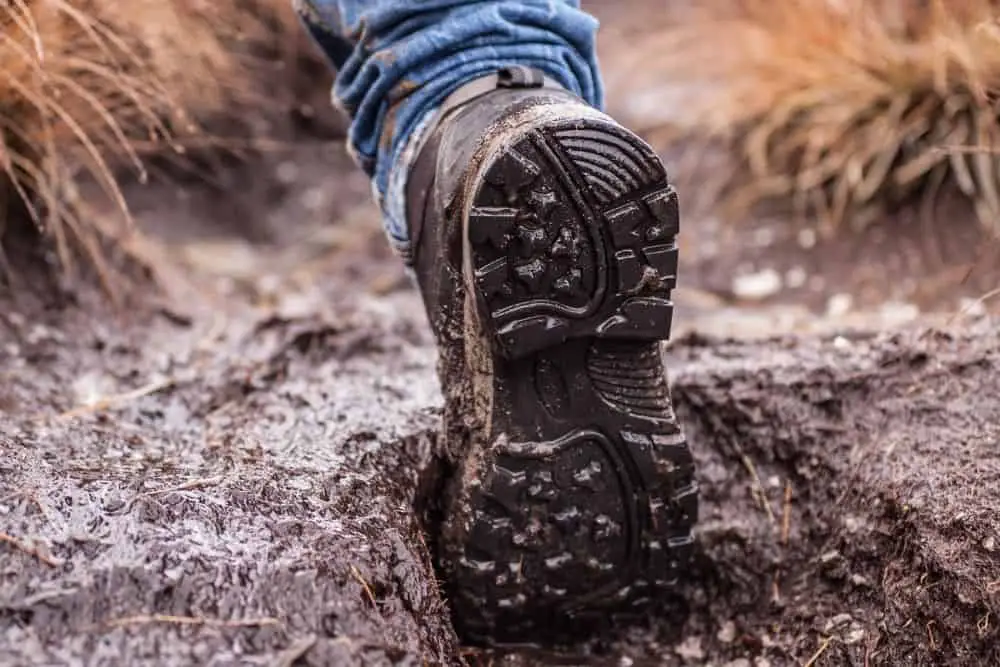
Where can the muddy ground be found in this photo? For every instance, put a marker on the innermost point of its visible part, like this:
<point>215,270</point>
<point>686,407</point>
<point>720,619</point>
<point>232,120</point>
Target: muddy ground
<point>236,471</point>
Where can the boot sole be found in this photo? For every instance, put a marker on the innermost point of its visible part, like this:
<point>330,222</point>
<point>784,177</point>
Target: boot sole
<point>582,502</point>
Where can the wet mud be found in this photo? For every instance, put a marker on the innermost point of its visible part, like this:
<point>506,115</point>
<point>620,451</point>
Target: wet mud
<point>242,473</point>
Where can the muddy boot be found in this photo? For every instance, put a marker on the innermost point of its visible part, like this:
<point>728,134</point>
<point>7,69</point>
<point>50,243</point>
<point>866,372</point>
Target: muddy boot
<point>544,240</point>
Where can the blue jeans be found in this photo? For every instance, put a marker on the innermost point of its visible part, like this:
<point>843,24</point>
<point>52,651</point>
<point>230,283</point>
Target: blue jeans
<point>397,60</point>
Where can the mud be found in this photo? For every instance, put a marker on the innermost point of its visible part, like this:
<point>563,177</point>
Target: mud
<point>262,491</point>
<point>237,472</point>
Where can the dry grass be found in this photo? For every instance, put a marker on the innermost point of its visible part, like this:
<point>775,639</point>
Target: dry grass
<point>89,86</point>
<point>841,108</point>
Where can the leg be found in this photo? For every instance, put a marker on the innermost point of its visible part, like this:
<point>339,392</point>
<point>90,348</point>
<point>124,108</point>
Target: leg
<point>398,59</point>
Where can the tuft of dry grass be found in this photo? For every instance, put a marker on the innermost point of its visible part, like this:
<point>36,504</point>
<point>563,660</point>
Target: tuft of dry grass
<point>840,108</point>
<point>90,86</point>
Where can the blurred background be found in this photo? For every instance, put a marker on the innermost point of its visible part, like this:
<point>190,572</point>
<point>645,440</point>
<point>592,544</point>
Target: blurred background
<point>836,158</point>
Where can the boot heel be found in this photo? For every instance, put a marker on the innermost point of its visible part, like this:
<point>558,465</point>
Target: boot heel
<point>572,234</point>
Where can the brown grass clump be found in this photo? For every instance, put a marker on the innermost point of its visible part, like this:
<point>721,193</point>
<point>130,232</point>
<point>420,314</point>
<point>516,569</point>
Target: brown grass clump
<point>87,86</point>
<point>841,108</point>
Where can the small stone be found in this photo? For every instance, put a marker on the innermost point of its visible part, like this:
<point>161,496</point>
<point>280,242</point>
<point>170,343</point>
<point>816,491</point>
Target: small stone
<point>763,237</point>
<point>895,313</point>
<point>690,649</point>
<point>113,503</point>
<point>625,661</point>
<point>738,662</point>
<point>269,285</point>
<point>287,172</point>
<point>860,580</point>
<point>314,199</point>
<point>761,662</point>
<point>838,621</point>
<point>41,333</point>
<point>796,277</point>
<point>852,523</point>
<point>990,543</point>
<point>854,636</point>
<point>88,389</point>
<point>727,633</point>
<point>757,286</point>
<point>829,557</point>
<point>839,305</point>
<point>807,238</point>
<point>842,344</point>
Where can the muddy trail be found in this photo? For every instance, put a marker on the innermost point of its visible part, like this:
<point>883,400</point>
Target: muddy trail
<point>242,469</point>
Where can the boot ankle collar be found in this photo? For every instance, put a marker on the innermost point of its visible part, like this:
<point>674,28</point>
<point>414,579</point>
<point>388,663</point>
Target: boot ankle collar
<point>515,76</point>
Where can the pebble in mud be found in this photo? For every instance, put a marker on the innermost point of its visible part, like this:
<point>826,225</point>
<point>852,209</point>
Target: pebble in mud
<point>846,628</point>
<point>836,623</point>
<point>727,633</point>
<point>739,662</point>
<point>796,277</point>
<point>839,305</point>
<point>757,286</point>
<point>895,313</point>
<point>690,649</point>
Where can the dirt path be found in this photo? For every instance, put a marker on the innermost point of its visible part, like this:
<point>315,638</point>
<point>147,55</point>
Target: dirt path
<point>238,476</point>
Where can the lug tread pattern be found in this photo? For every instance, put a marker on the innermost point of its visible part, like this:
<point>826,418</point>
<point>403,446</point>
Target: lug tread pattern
<point>585,500</point>
<point>573,235</point>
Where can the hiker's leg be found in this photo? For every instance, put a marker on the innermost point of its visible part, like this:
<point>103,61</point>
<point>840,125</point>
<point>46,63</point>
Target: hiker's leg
<point>397,60</point>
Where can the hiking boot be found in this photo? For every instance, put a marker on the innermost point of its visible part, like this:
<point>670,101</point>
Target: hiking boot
<point>544,247</point>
